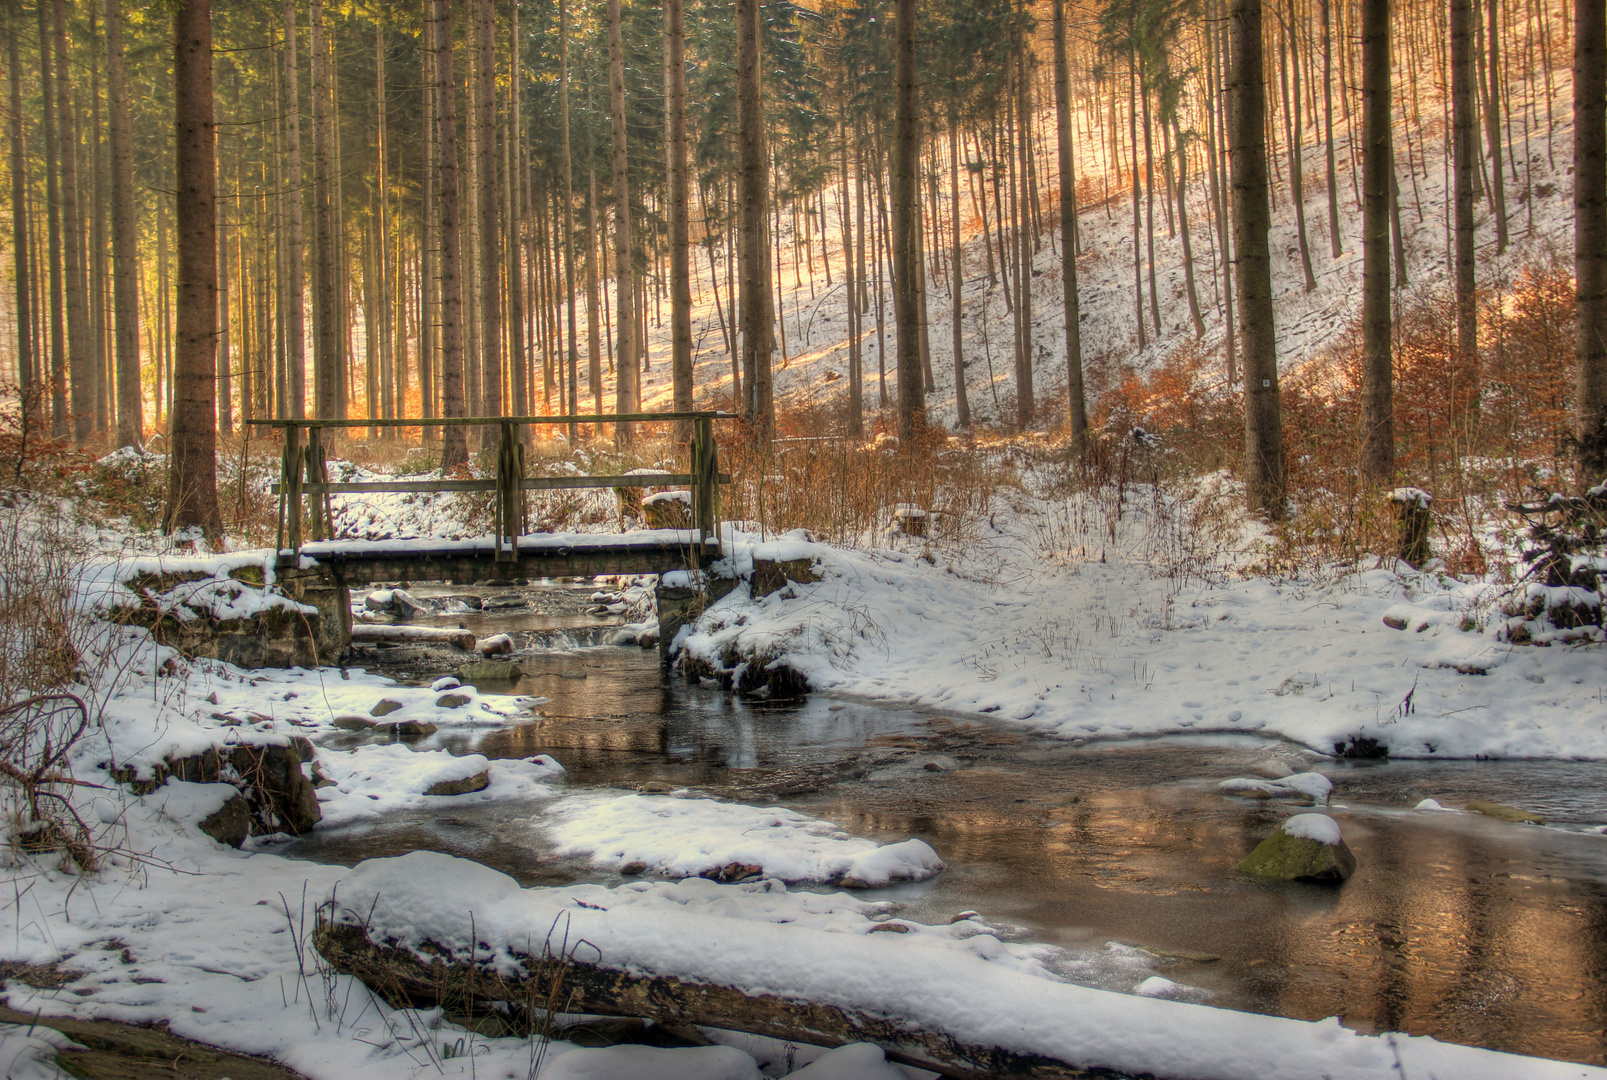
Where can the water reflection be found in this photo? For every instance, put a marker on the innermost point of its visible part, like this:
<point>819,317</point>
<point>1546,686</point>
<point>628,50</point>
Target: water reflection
<point>1455,925</point>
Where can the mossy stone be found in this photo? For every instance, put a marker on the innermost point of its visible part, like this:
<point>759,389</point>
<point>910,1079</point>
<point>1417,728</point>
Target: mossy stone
<point>1293,858</point>
<point>478,782</point>
<point>1505,812</point>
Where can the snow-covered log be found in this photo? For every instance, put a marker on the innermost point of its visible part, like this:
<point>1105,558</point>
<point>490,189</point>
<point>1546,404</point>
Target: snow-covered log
<point>444,635</point>
<point>403,978</point>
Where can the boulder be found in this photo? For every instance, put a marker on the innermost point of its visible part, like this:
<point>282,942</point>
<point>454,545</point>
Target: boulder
<point>668,510</point>
<point>495,645</point>
<point>487,671</point>
<point>385,706</point>
<point>230,823</point>
<point>452,701</point>
<point>409,729</point>
<point>1307,847</point>
<point>279,795</point>
<point>772,575</point>
<point>478,782</point>
<point>353,723</point>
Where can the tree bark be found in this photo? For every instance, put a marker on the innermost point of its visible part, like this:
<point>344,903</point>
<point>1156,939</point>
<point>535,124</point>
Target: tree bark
<point>1378,166</point>
<point>1590,234</point>
<point>1263,422</point>
<point>192,484</point>
<point>1492,124</point>
<point>294,291</point>
<point>1335,242</point>
<point>454,440</point>
<point>962,403</point>
<point>82,367</point>
<point>1464,168</point>
<point>680,226</point>
<point>758,305</point>
<point>125,240</point>
<point>326,320</point>
<point>626,373</point>
<point>58,335</point>
<point>490,292</point>
<point>21,251</point>
<point>1076,407</point>
<point>906,190</point>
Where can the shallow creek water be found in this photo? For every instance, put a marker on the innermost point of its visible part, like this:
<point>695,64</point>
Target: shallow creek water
<point>1455,925</point>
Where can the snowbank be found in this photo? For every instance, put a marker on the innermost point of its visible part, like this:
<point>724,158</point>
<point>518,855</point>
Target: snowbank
<point>804,947</point>
<point>689,837</point>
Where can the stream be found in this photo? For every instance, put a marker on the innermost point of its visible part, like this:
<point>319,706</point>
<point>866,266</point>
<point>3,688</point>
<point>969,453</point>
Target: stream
<point>1459,926</point>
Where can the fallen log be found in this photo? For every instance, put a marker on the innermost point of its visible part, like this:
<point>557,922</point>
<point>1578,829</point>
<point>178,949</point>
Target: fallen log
<point>404,979</point>
<point>414,635</point>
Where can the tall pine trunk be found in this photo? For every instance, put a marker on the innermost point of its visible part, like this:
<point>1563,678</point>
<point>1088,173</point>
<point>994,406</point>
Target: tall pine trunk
<point>906,191</point>
<point>1590,234</point>
<point>757,305</point>
<point>125,240</point>
<point>20,251</point>
<point>326,281</point>
<point>454,440</point>
<point>1263,421</point>
<point>293,290</point>
<point>1465,171</point>
<point>192,480</point>
<point>1378,170</point>
<point>626,372</point>
<point>490,233</point>
<point>680,225</point>
<point>1076,407</point>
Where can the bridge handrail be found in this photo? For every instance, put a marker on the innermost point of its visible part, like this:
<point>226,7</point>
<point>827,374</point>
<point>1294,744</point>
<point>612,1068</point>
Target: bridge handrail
<point>304,473</point>
<point>473,421</point>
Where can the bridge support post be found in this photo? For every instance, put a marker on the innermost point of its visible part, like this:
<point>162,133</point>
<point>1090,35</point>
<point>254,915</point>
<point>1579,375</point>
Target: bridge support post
<point>509,493</point>
<point>705,479</point>
<point>290,473</point>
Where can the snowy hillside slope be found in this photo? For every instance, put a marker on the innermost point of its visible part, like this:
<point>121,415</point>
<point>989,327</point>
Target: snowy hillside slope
<point>814,369</point>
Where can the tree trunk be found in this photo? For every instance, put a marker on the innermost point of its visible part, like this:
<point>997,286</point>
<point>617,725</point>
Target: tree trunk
<point>1590,234</point>
<point>294,291</point>
<point>1263,422</point>
<point>1297,186</point>
<point>962,403</point>
<point>1138,213</point>
<point>1465,168</point>
<point>82,367</point>
<point>57,367</point>
<point>906,180</point>
<point>1076,407</point>
<point>853,281</point>
<point>125,242</point>
<point>192,484</point>
<point>20,251</point>
<point>1378,162</point>
<point>326,326</point>
<point>752,170</point>
<point>454,439</point>
<point>1336,245</point>
<point>680,226</point>
<point>490,292</point>
<point>626,373</point>
<point>1183,228</point>
<point>1492,125</point>
<point>567,168</point>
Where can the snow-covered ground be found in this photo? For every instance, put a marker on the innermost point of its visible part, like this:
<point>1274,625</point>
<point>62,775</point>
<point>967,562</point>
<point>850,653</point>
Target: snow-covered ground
<point>1080,633</point>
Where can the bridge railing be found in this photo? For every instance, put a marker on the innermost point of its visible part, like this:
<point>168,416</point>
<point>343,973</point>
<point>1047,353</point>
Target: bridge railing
<point>304,483</point>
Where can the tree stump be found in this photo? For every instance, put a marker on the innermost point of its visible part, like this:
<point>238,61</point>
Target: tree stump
<point>1413,518</point>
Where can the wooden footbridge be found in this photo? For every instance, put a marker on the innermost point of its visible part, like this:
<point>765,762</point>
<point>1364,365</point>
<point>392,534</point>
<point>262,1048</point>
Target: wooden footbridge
<point>304,489</point>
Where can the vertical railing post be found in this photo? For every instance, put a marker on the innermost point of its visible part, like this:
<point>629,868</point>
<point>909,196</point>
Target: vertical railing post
<point>705,478</point>
<point>290,471</point>
<point>318,473</point>
<point>510,472</point>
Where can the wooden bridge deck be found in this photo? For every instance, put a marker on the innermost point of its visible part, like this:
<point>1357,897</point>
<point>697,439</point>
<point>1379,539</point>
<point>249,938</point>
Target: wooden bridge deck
<point>537,555</point>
